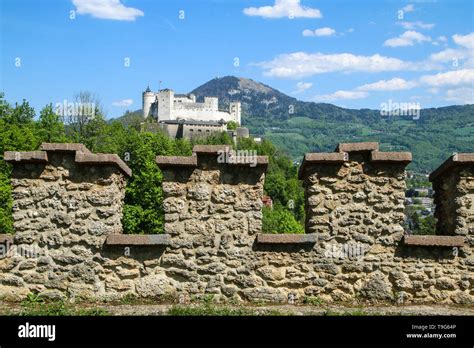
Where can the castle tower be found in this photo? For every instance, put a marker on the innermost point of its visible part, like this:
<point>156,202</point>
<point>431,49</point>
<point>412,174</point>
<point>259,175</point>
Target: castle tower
<point>235,111</point>
<point>165,104</point>
<point>148,98</point>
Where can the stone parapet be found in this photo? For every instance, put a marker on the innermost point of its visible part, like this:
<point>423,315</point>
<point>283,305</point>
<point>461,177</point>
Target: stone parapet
<point>453,184</point>
<point>68,204</point>
<point>66,201</point>
<point>81,156</point>
<point>356,193</point>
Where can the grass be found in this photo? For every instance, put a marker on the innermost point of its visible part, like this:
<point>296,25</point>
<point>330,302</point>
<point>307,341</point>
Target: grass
<point>313,301</point>
<point>213,310</point>
<point>36,306</point>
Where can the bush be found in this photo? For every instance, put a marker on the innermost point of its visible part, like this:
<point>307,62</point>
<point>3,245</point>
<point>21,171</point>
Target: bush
<point>280,220</point>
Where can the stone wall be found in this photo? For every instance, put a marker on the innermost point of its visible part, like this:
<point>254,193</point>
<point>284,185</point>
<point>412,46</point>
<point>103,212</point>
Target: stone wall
<point>354,248</point>
<point>66,202</point>
<point>453,183</point>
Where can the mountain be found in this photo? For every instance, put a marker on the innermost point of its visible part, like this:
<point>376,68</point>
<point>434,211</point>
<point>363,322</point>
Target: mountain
<point>261,100</point>
<point>297,127</point>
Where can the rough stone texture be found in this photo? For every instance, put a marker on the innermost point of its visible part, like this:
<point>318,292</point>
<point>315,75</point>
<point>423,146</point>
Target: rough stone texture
<point>353,249</point>
<point>63,211</point>
<point>453,183</point>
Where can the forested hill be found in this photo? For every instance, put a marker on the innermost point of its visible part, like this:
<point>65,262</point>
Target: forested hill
<point>299,127</point>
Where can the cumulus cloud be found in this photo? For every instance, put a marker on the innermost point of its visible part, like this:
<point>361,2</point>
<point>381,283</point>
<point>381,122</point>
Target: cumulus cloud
<point>408,38</point>
<point>465,40</point>
<point>326,31</point>
<point>107,9</point>
<point>465,52</point>
<point>395,84</point>
<point>340,95</point>
<point>450,78</point>
<point>123,102</point>
<point>448,55</point>
<point>302,64</point>
<point>302,86</point>
<point>416,25</point>
<point>283,8</point>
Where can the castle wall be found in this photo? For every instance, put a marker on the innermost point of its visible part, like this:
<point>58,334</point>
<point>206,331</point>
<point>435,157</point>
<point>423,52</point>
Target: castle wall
<point>171,107</point>
<point>354,248</point>
<point>191,131</point>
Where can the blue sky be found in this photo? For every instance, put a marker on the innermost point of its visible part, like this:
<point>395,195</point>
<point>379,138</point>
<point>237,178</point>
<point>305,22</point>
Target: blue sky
<point>356,54</point>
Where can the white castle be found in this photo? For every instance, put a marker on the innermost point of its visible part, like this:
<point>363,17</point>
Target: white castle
<point>181,116</point>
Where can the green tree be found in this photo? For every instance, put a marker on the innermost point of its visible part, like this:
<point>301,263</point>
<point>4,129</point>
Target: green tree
<point>50,126</point>
<point>232,125</point>
<point>280,220</point>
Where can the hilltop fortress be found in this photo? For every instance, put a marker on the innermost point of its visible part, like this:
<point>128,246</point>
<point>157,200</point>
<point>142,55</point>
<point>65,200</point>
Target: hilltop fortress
<point>180,115</point>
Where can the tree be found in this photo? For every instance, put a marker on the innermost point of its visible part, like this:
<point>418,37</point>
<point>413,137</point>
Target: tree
<point>232,125</point>
<point>280,220</point>
<point>50,126</point>
<point>78,115</point>
<point>17,133</point>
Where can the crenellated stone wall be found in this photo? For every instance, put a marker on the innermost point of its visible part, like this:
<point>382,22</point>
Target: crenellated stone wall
<point>356,193</point>
<point>453,183</point>
<point>68,206</point>
<point>66,202</point>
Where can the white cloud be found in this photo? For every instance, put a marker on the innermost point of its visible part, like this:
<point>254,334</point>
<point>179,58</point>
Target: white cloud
<point>302,64</point>
<point>461,95</point>
<point>408,38</point>
<point>448,55</point>
<point>326,31</point>
<point>395,84</point>
<point>409,8</point>
<point>451,78</point>
<point>463,53</point>
<point>465,40</point>
<point>123,102</point>
<point>107,9</point>
<point>283,8</point>
<point>415,25</point>
<point>302,86</point>
<point>344,95</point>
